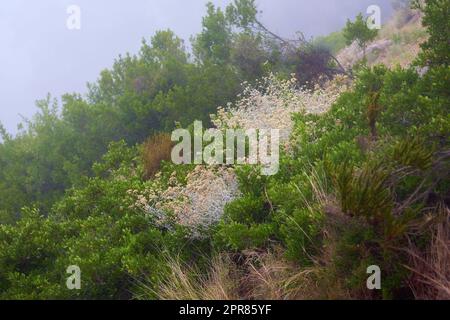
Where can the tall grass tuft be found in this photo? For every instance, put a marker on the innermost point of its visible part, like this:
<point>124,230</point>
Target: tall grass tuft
<point>431,270</point>
<point>185,282</point>
<point>156,149</point>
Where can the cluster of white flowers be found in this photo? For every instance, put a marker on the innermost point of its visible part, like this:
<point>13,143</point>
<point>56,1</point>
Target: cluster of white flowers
<point>204,197</point>
<point>199,203</point>
<point>271,103</point>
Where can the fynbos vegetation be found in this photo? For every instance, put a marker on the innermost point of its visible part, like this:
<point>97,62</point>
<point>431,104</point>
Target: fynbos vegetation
<point>362,181</point>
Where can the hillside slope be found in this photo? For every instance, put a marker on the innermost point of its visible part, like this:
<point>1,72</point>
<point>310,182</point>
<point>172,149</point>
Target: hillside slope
<point>359,208</point>
<point>398,42</point>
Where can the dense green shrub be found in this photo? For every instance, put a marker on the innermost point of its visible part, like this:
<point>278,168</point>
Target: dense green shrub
<point>237,236</point>
<point>97,228</point>
<point>436,48</point>
<point>359,31</point>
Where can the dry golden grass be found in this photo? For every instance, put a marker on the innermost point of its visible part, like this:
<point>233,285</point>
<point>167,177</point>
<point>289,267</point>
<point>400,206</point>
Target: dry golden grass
<point>270,277</point>
<point>187,283</point>
<point>156,149</point>
<point>431,270</point>
<point>257,276</point>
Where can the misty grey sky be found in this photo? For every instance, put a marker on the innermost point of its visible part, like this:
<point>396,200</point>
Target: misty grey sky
<point>39,55</point>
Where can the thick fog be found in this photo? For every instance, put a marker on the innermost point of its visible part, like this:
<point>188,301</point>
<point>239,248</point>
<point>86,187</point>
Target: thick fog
<point>40,55</point>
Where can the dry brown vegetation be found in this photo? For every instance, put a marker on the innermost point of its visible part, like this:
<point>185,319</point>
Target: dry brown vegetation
<point>155,150</point>
<point>431,270</point>
<point>255,276</point>
<point>185,282</point>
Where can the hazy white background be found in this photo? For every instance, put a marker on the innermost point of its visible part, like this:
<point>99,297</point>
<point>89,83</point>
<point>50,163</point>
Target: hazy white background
<point>39,55</point>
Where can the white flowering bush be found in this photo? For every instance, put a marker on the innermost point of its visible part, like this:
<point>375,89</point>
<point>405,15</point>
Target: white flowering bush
<point>197,203</point>
<point>271,102</point>
<point>200,201</point>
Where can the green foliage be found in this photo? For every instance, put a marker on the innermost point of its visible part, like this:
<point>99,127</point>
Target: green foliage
<point>213,43</point>
<point>335,41</point>
<point>139,96</point>
<point>249,55</point>
<point>246,210</point>
<point>356,181</point>
<point>363,194</point>
<point>28,250</point>
<point>301,234</point>
<point>96,228</point>
<point>36,165</point>
<point>373,152</point>
<point>236,236</point>
<point>436,19</point>
<point>359,31</point>
<point>242,13</point>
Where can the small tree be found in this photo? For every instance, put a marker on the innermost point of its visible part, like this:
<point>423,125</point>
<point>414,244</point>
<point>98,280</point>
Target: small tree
<point>436,50</point>
<point>359,31</point>
<point>313,64</point>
